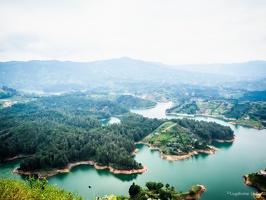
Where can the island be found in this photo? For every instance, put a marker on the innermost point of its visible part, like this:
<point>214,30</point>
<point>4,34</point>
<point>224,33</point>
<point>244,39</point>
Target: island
<point>257,180</point>
<point>178,139</point>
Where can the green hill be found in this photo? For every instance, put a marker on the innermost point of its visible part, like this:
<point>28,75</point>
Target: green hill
<point>181,136</point>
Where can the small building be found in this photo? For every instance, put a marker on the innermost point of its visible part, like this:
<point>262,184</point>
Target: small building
<point>261,173</point>
<point>247,117</point>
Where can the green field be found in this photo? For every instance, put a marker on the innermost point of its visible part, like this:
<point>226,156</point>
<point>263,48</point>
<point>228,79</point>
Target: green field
<point>173,139</point>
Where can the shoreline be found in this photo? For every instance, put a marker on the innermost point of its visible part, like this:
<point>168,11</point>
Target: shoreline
<point>203,115</point>
<point>221,141</point>
<point>180,114</point>
<point>143,108</point>
<point>202,190</point>
<point>178,157</point>
<point>246,125</point>
<point>222,117</point>
<point>250,183</point>
<point>16,157</point>
<point>232,121</point>
<point>48,174</point>
<point>134,152</point>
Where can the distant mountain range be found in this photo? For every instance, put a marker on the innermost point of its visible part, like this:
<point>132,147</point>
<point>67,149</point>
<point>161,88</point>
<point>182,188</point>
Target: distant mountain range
<point>66,76</point>
<point>255,69</point>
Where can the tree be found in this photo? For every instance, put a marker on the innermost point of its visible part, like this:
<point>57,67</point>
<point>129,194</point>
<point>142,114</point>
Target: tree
<point>164,195</point>
<point>150,185</point>
<point>159,185</point>
<point>134,189</point>
<point>154,186</point>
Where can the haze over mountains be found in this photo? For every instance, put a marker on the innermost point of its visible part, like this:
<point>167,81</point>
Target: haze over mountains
<point>58,76</point>
<point>255,69</point>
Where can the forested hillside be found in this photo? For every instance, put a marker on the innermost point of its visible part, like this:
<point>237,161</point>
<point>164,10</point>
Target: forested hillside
<point>6,92</point>
<point>57,130</point>
<point>57,76</point>
<point>134,102</point>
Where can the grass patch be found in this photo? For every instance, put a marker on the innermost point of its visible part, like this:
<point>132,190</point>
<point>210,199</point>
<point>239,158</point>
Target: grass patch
<point>160,134</point>
<point>195,189</point>
<point>250,123</point>
<point>13,189</point>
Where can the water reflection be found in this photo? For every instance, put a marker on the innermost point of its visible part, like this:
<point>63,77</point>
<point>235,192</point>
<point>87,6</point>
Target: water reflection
<point>82,168</point>
<point>5,173</point>
<point>126,177</point>
<point>200,156</point>
<point>105,173</point>
<point>61,177</point>
<point>112,120</point>
<point>12,164</point>
<point>223,145</point>
<point>7,167</point>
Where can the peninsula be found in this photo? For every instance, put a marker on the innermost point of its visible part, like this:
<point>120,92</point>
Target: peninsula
<point>180,139</point>
<point>235,111</point>
<point>53,172</point>
<point>257,180</point>
<point>58,131</point>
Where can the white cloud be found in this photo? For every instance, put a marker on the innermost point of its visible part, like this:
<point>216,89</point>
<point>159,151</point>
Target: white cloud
<point>172,31</point>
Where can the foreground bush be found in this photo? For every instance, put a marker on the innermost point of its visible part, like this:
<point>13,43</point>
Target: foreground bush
<point>17,189</point>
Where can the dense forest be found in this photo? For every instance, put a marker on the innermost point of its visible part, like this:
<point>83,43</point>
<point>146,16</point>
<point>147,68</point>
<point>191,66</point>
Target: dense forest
<point>57,130</point>
<point>184,108</point>
<point>133,102</point>
<point>254,96</point>
<point>206,130</point>
<point>6,92</point>
<point>247,110</point>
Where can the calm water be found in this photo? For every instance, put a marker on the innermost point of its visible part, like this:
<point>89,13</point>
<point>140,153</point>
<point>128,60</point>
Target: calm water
<point>220,173</point>
<point>112,120</point>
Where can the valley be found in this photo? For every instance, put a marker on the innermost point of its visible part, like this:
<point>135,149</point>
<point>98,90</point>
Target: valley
<point>60,119</point>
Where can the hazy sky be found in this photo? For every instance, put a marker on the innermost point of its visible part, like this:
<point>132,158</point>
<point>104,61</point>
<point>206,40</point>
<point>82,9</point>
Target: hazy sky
<point>167,31</point>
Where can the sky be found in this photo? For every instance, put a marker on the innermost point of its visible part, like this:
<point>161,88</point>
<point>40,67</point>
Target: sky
<point>167,31</point>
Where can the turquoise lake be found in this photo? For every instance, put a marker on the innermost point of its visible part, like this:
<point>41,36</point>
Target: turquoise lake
<point>221,173</point>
